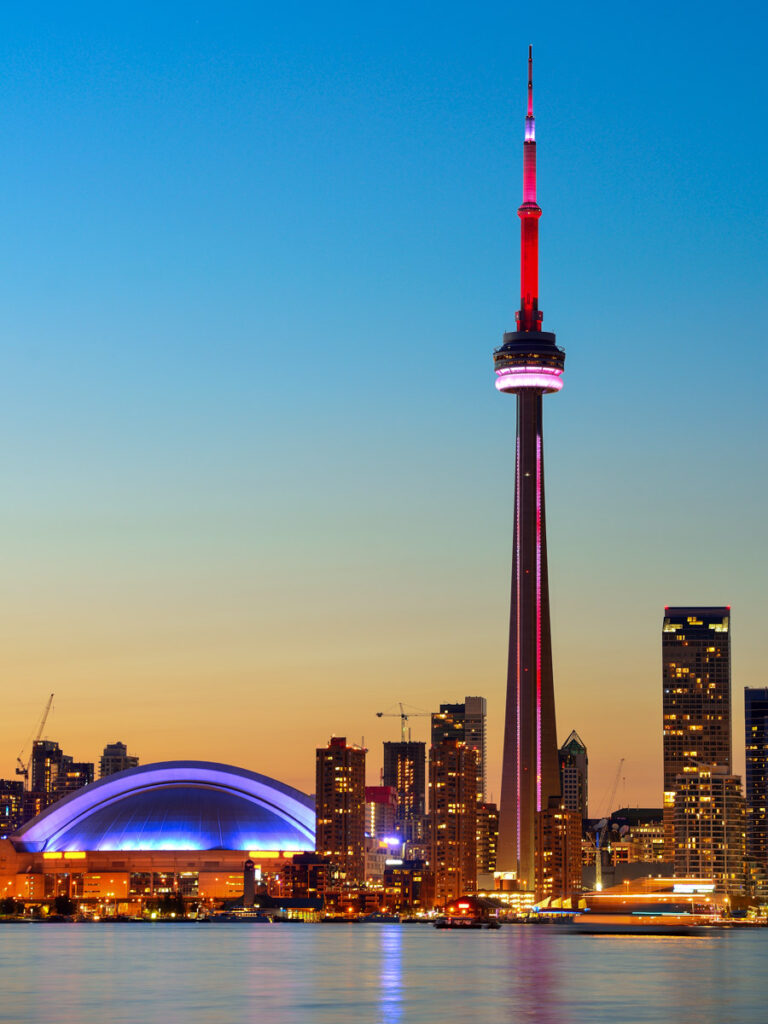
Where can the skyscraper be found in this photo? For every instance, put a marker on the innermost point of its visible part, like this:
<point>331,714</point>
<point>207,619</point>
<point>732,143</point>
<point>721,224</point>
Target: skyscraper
<point>696,679</point>
<point>380,811</point>
<point>558,844</point>
<point>47,758</point>
<point>453,818</point>
<point>405,771</point>
<point>574,768</point>
<point>487,837</point>
<point>465,723</point>
<point>340,807</point>
<point>709,827</point>
<point>530,365</point>
<point>756,745</point>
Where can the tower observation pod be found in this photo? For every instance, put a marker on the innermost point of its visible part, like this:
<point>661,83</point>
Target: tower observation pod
<point>530,365</point>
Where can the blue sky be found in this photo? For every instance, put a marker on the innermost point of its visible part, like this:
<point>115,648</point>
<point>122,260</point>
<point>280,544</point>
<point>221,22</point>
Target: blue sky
<point>253,266</point>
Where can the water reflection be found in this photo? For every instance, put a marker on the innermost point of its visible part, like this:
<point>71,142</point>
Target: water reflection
<point>391,973</point>
<point>535,978</point>
<point>373,974</point>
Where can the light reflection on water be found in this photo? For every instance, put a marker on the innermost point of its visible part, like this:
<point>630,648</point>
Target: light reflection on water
<point>373,974</point>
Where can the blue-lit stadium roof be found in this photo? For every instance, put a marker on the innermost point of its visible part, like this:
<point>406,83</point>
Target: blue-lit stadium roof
<point>176,805</point>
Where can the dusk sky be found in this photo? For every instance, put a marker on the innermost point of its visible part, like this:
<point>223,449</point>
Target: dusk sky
<point>256,480</point>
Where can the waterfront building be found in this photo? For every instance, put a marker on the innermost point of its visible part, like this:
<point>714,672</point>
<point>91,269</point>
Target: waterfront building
<point>710,827</point>
<point>641,835</point>
<point>178,828</point>
<point>487,837</point>
<point>465,723</point>
<point>408,885</point>
<point>453,818</point>
<point>558,851</point>
<point>696,681</point>
<point>529,365</point>
<point>756,745</point>
<point>116,759</point>
<point>574,767</point>
<point>405,772</point>
<point>340,807</point>
<point>307,875</point>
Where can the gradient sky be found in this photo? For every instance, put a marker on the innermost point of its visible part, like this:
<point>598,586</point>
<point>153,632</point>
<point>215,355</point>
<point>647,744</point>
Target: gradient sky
<point>256,481</point>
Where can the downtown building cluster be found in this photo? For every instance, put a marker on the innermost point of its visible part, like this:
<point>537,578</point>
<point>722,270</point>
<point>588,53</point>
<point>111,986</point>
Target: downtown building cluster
<point>196,833</point>
<point>50,775</point>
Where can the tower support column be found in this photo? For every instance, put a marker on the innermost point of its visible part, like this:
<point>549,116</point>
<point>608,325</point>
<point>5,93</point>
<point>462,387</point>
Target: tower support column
<point>529,769</point>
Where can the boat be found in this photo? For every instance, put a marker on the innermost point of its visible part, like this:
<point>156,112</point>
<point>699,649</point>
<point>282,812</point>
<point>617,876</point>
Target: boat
<point>650,906</point>
<point>633,924</point>
<point>473,912</point>
<point>459,923</point>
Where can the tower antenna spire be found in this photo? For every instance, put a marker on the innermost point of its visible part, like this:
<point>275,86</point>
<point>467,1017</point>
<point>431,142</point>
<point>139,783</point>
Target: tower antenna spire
<point>530,81</point>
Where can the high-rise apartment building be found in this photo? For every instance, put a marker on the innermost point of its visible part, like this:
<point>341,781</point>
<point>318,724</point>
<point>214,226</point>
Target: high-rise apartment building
<point>528,364</point>
<point>11,806</point>
<point>756,746</point>
<point>405,772</point>
<point>47,759</point>
<point>453,818</point>
<point>116,759</point>
<point>380,811</point>
<point>465,723</point>
<point>710,827</point>
<point>340,808</point>
<point>487,837</point>
<point>558,851</point>
<point>73,775</point>
<point>574,765</point>
<point>696,674</point>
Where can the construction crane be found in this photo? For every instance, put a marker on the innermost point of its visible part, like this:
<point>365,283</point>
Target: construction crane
<point>403,715</point>
<point>24,767</point>
<point>602,827</point>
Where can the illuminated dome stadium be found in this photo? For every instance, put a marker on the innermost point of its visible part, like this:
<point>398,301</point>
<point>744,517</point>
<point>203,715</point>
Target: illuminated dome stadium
<point>175,805</point>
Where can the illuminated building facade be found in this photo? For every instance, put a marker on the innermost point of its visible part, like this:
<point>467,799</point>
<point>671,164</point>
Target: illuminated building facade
<point>756,745</point>
<point>487,837</point>
<point>73,775</point>
<point>380,811</point>
<point>529,365</point>
<point>116,759</point>
<point>11,806</point>
<point>340,806</point>
<point>47,758</point>
<point>408,885</point>
<point>574,777</point>
<point>453,818</point>
<point>710,828</point>
<point>558,851</point>
<point>465,723</point>
<point>696,680</point>
<point>178,828</point>
<point>405,771</point>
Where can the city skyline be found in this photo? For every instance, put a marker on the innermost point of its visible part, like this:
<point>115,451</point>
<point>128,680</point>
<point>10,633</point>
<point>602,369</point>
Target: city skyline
<point>188,521</point>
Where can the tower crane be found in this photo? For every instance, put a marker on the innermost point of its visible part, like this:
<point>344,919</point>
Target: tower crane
<point>602,827</point>
<point>23,768</point>
<point>403,715</point>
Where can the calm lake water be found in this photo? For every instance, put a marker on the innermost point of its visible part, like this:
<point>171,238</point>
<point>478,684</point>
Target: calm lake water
<point>313,974</point>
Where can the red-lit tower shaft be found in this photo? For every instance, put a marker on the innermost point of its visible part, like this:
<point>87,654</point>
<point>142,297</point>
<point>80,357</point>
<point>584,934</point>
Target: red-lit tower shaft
<point>529,364</point>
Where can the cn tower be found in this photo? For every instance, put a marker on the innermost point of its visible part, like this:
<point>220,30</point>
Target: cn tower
<point>530,365</point>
